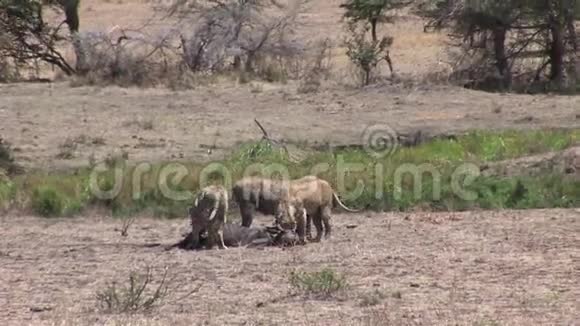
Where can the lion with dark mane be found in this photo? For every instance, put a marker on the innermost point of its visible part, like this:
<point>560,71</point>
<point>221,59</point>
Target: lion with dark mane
<point>269,197</point>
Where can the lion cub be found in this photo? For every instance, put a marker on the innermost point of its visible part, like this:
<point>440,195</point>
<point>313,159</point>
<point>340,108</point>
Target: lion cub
<point>208,213</point>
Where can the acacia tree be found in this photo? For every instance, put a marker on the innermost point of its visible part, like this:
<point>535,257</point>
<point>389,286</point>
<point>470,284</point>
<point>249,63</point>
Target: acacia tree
<point>557,17</point>
<point>371,11</point>
<point>369,14</point>
<point>27,37</point>
<point>507,32</point>
<point>71,11</point>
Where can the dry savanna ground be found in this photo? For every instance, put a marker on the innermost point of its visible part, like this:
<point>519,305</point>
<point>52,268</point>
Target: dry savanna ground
<point>474,268</point>
<point>58,126</point>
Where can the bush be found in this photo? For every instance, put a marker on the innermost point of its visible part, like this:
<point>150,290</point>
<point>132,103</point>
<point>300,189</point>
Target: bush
<point>7,191</point>
<point>48,202</point>
<point>7,163</point>
<point>250,37</point>
<point>323,284</point>
<point>138,295</point>
<point>365,54</point>
<point>8,72</point>
<point>133,59</point>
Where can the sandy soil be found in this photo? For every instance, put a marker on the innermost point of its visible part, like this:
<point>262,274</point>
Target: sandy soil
<point>478,268</point>
<point>58,126</point>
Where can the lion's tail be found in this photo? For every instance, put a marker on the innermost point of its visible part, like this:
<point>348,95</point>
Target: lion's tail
<point>336,201</point>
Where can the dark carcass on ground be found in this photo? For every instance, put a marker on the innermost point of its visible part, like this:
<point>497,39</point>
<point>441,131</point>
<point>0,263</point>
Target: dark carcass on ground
<point>236,235</point>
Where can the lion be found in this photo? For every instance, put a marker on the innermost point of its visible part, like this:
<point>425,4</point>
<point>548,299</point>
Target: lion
<point>317,198</point>
<point>269,197</point>
<point>208,214</point>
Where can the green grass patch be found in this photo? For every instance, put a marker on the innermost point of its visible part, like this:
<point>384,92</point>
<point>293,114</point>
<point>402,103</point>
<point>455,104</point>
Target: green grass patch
<point>7,193</point>
<point>50,202</point>
<point>321,284</point>
<point>422,176</point>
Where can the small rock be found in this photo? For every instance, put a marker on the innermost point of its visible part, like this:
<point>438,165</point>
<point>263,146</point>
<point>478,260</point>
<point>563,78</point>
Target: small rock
<point>40,309</point>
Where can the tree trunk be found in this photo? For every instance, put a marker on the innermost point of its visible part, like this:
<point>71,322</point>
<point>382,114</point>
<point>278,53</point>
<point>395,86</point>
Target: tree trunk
<point>81,66</point>
<point>374,22</point>
<point>556,50</point>
<point>390,63</point>
<point>573,37</point>
<point>71,10</point>
<point>501,61</point>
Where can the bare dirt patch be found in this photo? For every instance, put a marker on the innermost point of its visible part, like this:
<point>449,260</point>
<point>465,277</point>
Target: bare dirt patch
<point>477,268</point>
<point>55,126</point>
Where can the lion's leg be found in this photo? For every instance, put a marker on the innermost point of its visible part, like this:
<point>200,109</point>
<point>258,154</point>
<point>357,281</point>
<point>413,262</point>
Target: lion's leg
<point>309,227</point>
<point>317,219</point>
<point>211,239</point>
<point>325,215</point>
<point>301,229</point>
<point>220,236</point>
<point>194,239</point>
<point>247,211</point>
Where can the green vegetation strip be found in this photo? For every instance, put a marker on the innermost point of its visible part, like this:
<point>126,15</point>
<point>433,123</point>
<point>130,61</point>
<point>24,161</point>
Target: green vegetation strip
<point>384,185</point>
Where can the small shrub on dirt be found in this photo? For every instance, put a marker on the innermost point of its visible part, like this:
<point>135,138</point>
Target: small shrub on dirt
<point>139,294</point>
<point>133,297</point>
<point>7,162</point>
<point>323,284</point>
<point>48,202</point>
<point>66,150</point>
<point>8,72</point>
<point>372,299</point>
<point>7,191</point>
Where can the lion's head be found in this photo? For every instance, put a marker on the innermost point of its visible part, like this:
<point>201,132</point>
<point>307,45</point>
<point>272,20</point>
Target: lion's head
<point>289,212</point>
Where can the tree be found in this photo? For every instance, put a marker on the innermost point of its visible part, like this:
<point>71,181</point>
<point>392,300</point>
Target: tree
<point>366,54</point>
<point>27,37</point>
<point>236,33</point>
<point>512,32</point>
<point>71,11</point>
<point>371,11</point>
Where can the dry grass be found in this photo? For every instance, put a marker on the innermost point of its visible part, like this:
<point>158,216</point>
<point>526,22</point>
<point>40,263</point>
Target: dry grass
<point>38,118</point>
<point>488,268</point>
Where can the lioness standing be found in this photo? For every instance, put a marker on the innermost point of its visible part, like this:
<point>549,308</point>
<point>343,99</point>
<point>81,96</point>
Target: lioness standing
<point>208,213</point>
<point>269,197</point>
<point>317,198</point>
